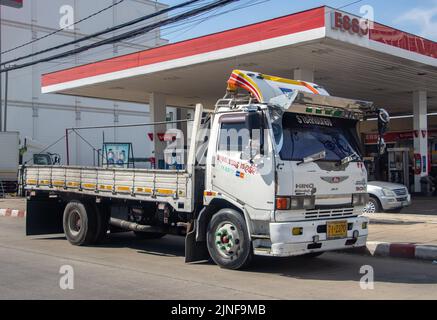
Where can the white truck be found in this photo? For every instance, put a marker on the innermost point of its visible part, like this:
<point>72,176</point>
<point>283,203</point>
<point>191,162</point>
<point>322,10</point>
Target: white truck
<point>275,170</point>
<point>9,157</point>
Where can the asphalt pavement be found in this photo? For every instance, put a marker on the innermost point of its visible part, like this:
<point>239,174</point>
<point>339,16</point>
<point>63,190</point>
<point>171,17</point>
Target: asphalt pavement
<point>125,268</point>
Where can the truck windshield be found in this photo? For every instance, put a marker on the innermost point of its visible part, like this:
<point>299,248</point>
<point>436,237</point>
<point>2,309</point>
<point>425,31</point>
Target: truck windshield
<point>304,135</point>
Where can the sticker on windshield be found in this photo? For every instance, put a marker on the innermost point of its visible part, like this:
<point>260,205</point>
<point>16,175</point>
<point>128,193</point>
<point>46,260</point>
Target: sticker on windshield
<point>314,120</point>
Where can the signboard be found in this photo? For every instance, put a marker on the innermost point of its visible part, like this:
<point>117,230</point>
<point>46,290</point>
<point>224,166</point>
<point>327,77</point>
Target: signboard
<point>117,155</point>
<point>12,3</point>
<point>390,137</point>
<point>345,23</point>
<point>166,137</point>
<point>393,137</point>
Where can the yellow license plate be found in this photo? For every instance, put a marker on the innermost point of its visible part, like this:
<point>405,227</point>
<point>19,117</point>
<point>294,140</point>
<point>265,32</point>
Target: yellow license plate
<point>336,230</point>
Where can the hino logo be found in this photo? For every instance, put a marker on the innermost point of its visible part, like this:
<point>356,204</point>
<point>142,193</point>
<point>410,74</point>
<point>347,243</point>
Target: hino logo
<point>334,179</point>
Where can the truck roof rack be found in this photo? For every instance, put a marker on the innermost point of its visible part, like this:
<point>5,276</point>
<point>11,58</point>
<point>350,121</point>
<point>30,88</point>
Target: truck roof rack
<point>232,100</point>
<point>332,106</point>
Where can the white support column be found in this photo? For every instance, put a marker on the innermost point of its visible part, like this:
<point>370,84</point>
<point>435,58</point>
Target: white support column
<point>303,74</point>
<point>158,113</point>
<point>182,114</point>
<point>420,123</point>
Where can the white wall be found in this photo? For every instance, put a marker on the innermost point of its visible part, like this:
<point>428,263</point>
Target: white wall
<point>45,117</point>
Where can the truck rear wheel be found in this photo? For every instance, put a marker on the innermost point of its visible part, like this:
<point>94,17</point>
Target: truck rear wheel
<point>80,223</point>
<point>228,240</point>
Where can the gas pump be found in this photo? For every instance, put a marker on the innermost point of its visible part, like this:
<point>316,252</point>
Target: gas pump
<point>398,166</point>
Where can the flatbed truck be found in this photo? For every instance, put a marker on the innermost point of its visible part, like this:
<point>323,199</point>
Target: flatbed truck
<point>275,170</point>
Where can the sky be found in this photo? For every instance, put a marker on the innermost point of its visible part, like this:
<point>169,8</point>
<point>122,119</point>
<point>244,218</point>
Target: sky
<point>418,17</point>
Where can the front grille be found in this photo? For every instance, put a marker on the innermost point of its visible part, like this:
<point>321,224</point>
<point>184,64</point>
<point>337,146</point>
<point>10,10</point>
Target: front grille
<point>400,192</point>
<point>329,213</point>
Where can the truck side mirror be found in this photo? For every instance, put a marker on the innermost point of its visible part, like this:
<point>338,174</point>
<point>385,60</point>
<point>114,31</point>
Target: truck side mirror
<point>383,122</point>
<point>381,146</point>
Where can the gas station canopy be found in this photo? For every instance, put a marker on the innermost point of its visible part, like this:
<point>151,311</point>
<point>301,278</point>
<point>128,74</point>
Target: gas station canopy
<point>366,61</point>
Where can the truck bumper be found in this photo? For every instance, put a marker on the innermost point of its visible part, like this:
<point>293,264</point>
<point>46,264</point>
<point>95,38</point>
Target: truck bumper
<point>285,244</point>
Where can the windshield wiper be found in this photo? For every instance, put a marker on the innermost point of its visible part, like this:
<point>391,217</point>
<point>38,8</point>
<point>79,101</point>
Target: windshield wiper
<point>349,158</point>
<point>314,157</point>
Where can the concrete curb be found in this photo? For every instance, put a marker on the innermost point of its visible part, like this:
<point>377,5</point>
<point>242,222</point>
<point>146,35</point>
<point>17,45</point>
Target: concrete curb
<point>12,213</point>
<point>399,250</point>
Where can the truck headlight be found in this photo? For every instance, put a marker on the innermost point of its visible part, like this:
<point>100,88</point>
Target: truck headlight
<point>295,202</point>
<point>388,193</point>
<point>302,202</point>
<point>360,199</point>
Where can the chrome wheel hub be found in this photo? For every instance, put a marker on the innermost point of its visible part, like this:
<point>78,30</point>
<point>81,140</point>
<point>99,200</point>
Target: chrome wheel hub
<point>370,208</point>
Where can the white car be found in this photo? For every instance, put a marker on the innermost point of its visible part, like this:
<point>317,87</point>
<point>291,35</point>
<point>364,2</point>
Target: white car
<point>387,197</point>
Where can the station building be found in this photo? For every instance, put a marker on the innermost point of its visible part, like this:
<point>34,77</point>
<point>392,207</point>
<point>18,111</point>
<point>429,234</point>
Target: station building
<point>368,61</point>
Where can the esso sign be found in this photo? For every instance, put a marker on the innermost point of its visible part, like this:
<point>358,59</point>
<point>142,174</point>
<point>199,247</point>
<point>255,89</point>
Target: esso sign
<point>345,23</point>
<point>12,3</point>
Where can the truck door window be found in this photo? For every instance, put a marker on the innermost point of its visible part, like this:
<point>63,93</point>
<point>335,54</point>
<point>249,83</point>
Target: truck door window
<point>234,136</point>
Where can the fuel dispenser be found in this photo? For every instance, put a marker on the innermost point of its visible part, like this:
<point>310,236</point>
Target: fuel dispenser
<point>398,166</point>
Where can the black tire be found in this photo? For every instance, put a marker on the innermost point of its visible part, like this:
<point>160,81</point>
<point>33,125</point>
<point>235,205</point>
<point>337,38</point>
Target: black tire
<point>373,205</point>
<point>80,223</point>
<point>239,254</point>
<point>149,235</point>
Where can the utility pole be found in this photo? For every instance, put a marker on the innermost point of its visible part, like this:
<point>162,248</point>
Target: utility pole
<point>1,74</point>
<point>5,127</point>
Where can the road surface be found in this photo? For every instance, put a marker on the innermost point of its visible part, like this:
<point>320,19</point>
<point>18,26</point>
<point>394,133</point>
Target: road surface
<point>125,268</point>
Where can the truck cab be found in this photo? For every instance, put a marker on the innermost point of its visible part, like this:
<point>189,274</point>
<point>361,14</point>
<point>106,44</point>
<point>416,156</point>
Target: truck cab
<point>291,162</point>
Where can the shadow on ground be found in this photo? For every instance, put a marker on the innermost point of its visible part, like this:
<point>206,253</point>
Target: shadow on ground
<point>328,267</point>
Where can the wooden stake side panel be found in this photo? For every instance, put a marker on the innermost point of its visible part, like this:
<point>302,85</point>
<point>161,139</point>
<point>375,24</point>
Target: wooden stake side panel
<point>173,187</point>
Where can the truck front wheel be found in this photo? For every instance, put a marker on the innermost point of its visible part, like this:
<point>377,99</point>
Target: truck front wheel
<point>80,223</point>
<point>228,240</point>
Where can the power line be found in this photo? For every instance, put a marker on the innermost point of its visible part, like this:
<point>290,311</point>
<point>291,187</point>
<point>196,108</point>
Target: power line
<point>349,4</point>
<point>127,35</point>
<point>62,29</point>
<point>49,146</point>
<point>184,27</point>
<point>108,30</point>
<point>191,24</point>
<point>197,22</point>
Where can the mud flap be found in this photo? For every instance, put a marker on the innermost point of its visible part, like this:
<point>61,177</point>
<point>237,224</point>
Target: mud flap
<point>194,250</point>
<point>44,216</point>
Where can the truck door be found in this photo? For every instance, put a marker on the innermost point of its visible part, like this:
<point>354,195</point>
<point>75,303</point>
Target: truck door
<point>246,179</point>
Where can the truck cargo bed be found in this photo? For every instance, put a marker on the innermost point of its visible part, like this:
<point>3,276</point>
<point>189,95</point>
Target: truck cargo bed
<point>171,186</point>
